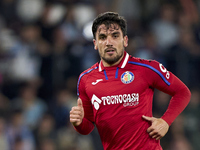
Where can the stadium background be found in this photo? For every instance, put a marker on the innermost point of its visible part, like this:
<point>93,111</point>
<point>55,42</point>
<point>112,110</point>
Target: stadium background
<point>46,44</point>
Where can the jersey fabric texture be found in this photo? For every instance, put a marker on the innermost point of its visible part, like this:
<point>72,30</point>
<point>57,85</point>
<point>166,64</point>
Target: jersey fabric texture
<point>115,98</point>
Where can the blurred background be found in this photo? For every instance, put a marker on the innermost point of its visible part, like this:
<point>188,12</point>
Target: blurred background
<point>46,44</point>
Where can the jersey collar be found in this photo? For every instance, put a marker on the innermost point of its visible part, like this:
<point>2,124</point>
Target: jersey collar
<point>122,64</point>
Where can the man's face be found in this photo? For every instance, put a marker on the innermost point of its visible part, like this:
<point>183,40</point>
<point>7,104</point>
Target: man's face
<point>110,43</point>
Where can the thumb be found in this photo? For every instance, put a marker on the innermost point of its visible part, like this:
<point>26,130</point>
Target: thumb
<point>79,102</point>
<point>151,119</point>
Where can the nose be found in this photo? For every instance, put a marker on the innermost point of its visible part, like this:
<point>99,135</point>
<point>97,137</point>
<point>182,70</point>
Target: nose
<point>108,41</point>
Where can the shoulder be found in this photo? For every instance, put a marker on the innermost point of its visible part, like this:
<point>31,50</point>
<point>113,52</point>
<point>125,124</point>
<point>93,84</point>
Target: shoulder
<point>148,63</point>
<point>88,72</point>
<point>85,74</point>
<point>150,67</point>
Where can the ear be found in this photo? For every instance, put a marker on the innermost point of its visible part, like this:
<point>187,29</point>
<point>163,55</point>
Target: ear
<point>95,44</point>
<point>125,41</point>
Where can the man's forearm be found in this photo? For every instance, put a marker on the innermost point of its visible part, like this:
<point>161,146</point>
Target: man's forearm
<point>85,127</point>
<point>177,104</point>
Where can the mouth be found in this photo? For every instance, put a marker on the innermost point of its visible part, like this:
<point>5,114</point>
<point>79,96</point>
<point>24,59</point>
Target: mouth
<point>110,51</point>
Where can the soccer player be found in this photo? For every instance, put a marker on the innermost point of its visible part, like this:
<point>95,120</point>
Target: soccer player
<point>116,94</point>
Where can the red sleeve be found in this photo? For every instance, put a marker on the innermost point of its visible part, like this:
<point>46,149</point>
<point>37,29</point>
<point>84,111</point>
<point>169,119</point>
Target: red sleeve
<point>85,127</point>
<point>178,102</point>
<point>167,82</point>
<point>87,124</point>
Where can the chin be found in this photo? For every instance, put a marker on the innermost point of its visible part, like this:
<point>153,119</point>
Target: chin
<point>111,61</point>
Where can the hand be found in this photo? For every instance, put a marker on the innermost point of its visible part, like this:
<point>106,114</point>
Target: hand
<point>158,128</point>
<point>77,113</point>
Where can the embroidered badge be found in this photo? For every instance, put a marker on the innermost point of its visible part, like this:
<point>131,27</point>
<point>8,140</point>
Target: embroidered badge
<point>127,77</point>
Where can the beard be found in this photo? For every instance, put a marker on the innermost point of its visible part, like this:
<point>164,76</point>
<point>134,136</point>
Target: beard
<point>112,60</point>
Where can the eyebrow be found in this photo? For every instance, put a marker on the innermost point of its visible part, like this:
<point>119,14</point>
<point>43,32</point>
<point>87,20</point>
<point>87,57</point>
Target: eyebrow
<point>103,34</point>
<point>116,32</point>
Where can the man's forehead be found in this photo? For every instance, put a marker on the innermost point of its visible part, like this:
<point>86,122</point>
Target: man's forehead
<point>108,28</point>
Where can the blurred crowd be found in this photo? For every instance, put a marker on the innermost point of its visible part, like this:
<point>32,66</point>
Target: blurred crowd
<point>46,44</point>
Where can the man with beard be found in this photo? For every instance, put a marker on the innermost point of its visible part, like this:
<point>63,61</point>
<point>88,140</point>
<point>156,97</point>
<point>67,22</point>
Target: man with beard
<point>116,94</point>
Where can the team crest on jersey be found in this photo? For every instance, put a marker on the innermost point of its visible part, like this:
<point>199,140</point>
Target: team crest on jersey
<point>127,77</point>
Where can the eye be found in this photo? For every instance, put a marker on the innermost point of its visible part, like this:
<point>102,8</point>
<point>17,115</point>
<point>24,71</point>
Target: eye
<point>115,35</point>
<point>102,37</point>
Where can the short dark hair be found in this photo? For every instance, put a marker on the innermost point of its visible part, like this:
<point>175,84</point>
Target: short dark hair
<point>109,18</point>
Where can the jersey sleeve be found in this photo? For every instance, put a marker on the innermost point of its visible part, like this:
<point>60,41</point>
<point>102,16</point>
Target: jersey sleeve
<point>87,124</point>
<point>162,79</point>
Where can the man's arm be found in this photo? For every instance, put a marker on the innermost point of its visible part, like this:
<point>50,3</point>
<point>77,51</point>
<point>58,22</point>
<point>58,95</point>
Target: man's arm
<point>81,124</point>
<point>81,116</point>
<point>180,98</point>
<point>167,82</point>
